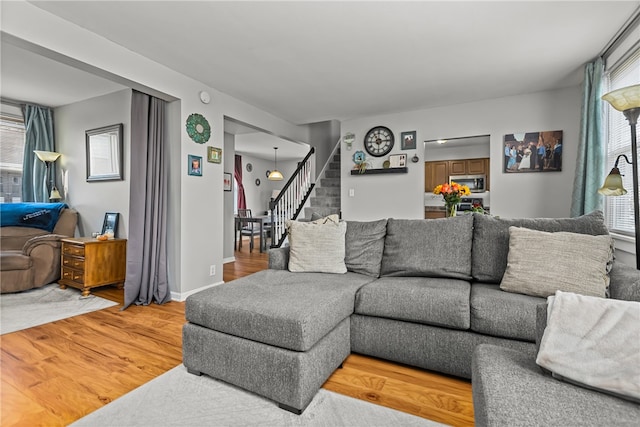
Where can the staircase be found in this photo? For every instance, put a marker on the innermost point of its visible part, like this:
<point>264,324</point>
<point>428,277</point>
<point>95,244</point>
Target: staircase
<point>327,191</point>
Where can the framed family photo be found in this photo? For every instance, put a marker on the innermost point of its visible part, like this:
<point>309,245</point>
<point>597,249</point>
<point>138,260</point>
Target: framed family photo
<point>194,165</point>
<point>533,152</point>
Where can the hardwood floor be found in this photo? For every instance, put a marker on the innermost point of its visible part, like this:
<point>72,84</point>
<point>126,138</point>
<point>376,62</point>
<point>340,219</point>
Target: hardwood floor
<point>54,374</point>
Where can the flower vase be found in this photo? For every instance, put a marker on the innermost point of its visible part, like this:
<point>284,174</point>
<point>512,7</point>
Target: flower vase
<point>451,209</point>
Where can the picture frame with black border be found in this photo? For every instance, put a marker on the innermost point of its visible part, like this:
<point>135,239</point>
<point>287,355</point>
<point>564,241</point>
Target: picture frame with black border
<point>194,165</point>
<point>398,161</point>
<point>408,140</point>
<point>110,222</point>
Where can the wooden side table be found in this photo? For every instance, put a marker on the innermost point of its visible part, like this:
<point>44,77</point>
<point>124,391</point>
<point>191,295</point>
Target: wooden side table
<point>88,263</point>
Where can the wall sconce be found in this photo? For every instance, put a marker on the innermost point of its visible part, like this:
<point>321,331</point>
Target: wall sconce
<point>49,157</point>
<point>626,100</point>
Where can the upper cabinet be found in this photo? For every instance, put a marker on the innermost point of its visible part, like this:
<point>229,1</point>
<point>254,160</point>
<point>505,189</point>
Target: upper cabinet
<point>457,167</point>
<point>435,173</point>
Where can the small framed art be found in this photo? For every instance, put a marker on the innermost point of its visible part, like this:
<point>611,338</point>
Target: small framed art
<point>408,140</point>
<point>398,161</point>
<point>214,155</point>
<point>110,223</point>
<point>226,184</point>
<point>195,165</point>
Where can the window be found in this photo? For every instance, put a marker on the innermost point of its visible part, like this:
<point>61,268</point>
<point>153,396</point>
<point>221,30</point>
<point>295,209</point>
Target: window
<point>12,149</point>
<point>619,210</point>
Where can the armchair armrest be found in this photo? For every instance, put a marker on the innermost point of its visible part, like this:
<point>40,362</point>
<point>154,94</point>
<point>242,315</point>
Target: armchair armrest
<point>624,282</point>
<point>52,240</point>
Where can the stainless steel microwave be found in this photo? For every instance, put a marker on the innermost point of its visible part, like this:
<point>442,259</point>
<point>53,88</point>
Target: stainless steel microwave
<point>476,183</point>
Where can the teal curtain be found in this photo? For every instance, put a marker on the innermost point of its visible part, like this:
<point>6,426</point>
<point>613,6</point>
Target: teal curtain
<point>38,125</point>
<point>592,149</point>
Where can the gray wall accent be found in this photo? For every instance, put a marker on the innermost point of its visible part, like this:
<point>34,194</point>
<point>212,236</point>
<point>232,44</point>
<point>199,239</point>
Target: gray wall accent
<point>323,136</point>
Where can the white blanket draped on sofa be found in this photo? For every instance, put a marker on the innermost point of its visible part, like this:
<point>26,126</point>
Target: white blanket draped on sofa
<point>594,342</point>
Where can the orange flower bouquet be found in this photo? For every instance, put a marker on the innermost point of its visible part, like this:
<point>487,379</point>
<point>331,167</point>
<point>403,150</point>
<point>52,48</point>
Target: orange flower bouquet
<point>452,194</point>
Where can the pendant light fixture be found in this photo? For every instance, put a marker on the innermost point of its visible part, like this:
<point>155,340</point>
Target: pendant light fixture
<point>275,174</point>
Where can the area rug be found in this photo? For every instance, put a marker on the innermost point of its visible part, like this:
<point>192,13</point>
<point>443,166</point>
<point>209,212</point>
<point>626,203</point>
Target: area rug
<point>49,303</point>
<point>178,398</point>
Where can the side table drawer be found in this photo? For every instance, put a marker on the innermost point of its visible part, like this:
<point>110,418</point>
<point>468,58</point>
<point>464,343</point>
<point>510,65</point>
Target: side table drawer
<point>69,249</point>
<point>77,263</point>
<point>73,275</point>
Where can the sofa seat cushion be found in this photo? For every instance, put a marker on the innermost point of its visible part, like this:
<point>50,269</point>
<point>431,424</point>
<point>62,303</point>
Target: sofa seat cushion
<point>432,301</point>
<point>510,390</point>
<point>277,307</point>
<point>14,260</point>
<point>503,314</point>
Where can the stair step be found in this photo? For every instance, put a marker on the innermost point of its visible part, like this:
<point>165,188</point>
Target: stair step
<point>328,191</point>
<point>330,182</point>
<point>332,173</point>
<point>322,211</point>
<point>334,166</point>
<point>336,157</point>
<point>325,201</point>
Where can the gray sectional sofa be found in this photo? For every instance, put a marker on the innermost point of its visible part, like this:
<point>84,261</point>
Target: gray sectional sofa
<point>419,292</point>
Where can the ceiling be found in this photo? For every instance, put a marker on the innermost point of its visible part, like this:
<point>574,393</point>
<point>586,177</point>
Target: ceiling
<point>309,61</point>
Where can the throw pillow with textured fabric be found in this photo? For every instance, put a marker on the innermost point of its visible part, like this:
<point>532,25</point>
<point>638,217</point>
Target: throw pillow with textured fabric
<point>317,246</point>
<point>364,245</point>
<point>428,247</point>
<point>491,238</point>
<point>540,263</point>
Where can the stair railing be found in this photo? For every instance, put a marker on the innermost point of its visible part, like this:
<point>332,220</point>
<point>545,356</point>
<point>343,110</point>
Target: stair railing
<point>292,197</point>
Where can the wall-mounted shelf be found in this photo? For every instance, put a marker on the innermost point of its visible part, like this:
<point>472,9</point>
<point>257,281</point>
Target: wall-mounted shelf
<point>378,171</point>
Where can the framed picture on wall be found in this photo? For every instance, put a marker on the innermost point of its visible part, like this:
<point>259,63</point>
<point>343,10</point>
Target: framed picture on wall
<point>194,164</point>
<point>226,183</point>
<point>533,152</point>
<point>408,140</point>
<point>214,155</point>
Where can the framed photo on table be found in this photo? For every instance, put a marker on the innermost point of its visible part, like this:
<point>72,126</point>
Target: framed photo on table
<point>110,223</point>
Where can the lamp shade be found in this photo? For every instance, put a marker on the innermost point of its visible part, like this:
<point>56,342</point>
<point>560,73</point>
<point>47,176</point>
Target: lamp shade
<point>47,156</point>
<point>55,195</point>
<point>613,184</point>
<point>625,98</point>
<point>275,175</point>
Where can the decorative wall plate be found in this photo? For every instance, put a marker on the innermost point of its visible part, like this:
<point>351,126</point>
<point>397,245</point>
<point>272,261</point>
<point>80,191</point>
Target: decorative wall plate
<point>258,181</point>
<point>198,128</point>
<point>249,167</point>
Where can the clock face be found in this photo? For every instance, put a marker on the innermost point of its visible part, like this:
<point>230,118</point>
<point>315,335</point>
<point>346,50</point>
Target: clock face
<point>379,141</point>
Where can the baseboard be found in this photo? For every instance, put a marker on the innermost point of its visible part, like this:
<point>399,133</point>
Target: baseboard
<point>228,260</point>
<point>181,296</point>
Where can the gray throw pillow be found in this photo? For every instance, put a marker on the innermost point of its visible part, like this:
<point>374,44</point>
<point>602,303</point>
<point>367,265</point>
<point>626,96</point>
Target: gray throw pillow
<point>541,263</point>
<point>491,239</point>
<point>364,246</point>
<point>428,247</point>
<point>317,246</point>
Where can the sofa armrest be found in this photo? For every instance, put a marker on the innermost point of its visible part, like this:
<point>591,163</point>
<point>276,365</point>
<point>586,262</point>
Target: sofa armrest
<point>52,240</point>
<point>624,282</point>
<point>279,258</point>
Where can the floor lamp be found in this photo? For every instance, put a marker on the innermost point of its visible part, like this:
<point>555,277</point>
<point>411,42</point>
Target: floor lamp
<point>48,157</point>
<point>626,100</point>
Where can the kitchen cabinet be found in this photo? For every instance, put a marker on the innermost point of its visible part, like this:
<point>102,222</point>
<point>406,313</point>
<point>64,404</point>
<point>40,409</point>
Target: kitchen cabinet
<point>476,167</point>
<point>457,167</point>
<point>433,214</point>
<point>435,173</point>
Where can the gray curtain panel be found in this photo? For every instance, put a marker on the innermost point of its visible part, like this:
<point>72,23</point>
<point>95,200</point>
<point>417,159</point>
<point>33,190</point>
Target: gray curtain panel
<point>38,126</point>
<point>146,279</point>
<point>592,149</point>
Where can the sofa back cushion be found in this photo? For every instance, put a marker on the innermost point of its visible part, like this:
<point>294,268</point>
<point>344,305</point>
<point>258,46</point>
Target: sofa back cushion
<point>491,239</point>
<point>428,247</point>
<point>364,246</point>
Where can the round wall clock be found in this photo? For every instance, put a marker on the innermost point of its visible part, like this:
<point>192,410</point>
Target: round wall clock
<point>249,167</point>
<point>198,128</point>
<point>378,141</point>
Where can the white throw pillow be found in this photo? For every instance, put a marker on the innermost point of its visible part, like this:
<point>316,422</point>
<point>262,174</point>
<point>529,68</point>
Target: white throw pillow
<point>540,263</point>
<point>317,246</point>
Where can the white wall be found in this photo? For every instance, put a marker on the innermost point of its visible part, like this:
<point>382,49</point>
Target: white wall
<point>196,203</point>
<point>523,195</point>
<point>93,199</point>
<point>476,151</point>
